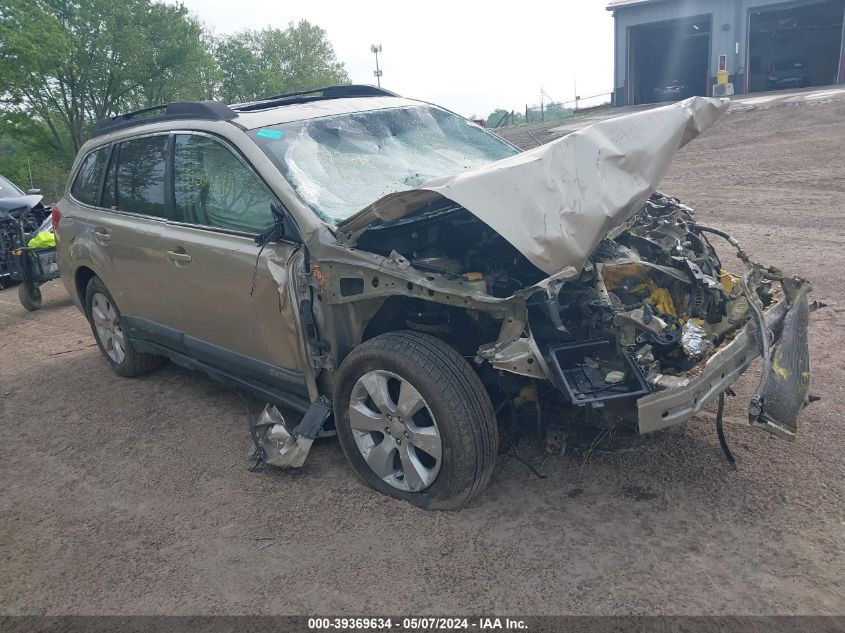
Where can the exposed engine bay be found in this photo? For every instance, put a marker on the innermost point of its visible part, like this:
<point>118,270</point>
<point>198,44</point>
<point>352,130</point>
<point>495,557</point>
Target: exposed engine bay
<point>657,288</point>
<point>655,285</point>
<point>447,240</point>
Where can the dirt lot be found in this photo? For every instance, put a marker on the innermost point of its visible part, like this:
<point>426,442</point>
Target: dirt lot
<point>133,496</point>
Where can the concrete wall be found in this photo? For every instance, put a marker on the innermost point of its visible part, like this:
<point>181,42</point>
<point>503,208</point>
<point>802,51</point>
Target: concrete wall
<point>729,34</point>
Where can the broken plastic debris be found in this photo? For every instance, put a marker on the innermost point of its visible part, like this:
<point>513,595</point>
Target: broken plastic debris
<point>694,340</point>
<point>614,377</point>
<point>275,443</point>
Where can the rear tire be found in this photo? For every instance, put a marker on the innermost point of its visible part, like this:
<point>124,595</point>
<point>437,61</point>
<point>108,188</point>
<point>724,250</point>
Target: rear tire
<point>437,443</point>
<point>109,332</point>
<point>30,296</point>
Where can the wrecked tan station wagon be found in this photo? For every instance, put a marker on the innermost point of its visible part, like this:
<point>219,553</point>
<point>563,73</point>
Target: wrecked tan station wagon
<point>417,285</point>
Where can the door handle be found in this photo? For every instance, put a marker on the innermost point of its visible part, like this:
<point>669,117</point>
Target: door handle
<point>101,236</point>
<point>179,256</point>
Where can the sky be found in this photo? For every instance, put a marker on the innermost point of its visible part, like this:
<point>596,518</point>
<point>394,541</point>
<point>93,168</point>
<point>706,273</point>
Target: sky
<point>470,57</point>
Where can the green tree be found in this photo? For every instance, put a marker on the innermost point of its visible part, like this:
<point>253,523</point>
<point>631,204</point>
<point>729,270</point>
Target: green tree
<point>504,117</point>
<point>64,64</point>
<point>255,64</point>
<point>68,63</point>
<point>28,156</point>
<point>497,115</point>
<point>557,111</point>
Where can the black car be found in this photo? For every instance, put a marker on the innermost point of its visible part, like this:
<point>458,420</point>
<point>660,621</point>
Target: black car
<point>788,73</point>
<point>14,205</point>
<point>674,90</point>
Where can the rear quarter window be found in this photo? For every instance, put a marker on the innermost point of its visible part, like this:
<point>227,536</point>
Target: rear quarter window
<point>141,176</point>
<point>86,185</point>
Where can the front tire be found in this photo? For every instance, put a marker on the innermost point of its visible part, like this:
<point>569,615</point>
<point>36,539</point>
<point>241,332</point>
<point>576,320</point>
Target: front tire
<point>109,332</point>
<point>414,420</point>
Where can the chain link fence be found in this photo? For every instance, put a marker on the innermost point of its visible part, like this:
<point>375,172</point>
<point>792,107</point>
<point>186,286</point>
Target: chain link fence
<point>552,111</point>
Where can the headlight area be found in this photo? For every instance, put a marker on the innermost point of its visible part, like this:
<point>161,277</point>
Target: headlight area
<point>655,327</point>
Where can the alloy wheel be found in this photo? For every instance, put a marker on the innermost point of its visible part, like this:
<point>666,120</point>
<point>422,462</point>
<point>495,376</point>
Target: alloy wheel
<point>395,431</point>
<point>107,324</point>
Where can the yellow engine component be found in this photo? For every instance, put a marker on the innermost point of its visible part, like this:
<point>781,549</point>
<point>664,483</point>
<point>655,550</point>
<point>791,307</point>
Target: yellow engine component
<point>526,394</point>
<point>659,296</point>
<point>614,275</point>
<point>662,300</point>
<point>728,281</point>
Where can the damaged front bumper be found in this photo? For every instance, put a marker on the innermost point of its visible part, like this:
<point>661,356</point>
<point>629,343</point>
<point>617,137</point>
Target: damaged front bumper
<point>787,325</point>
<point>777,401</point>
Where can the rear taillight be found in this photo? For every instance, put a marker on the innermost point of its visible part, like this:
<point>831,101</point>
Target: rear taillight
<point>55,216</point>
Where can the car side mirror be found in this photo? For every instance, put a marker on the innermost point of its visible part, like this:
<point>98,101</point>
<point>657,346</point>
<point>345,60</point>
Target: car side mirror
<point>285,226</point>
<point>282,227</point>
<point>33,192</point>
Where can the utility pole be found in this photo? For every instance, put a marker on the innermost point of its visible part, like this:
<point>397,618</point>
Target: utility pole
<point>542,114</point>
<point>376,49</point>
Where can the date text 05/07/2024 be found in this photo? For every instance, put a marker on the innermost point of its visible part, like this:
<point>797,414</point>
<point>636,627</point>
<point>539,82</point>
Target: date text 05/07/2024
<point>413,624</point>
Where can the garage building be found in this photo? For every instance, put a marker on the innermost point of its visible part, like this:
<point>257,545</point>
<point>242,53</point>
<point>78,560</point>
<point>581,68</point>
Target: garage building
<point>666,50</point>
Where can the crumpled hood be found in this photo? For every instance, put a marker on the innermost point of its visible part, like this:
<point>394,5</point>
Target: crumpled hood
<point>18,202</point>
<point>556,202</point>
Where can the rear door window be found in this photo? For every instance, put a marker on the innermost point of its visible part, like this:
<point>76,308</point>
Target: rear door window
<point>213,187</point>
<point>86,186</point>
<point>140,176</point>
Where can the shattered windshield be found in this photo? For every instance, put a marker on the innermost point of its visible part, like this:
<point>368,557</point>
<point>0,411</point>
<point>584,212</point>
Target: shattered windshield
<point>340,164</point>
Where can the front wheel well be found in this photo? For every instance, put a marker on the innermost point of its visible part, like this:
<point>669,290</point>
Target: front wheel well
<point>82,277</point>
<point>451,324</point>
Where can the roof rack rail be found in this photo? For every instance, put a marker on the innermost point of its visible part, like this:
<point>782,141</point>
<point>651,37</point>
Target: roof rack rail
<point>317,94</point>
<point>208,110</point>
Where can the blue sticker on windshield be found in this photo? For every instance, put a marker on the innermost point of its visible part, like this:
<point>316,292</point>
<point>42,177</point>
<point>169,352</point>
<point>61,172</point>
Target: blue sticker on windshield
<point>273,134</point>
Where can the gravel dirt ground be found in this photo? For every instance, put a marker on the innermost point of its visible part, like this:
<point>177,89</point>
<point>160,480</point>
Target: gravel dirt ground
<point>133,496</point>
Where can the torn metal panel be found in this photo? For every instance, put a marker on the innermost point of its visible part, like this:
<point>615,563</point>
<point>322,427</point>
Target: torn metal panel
<point>278,444</point>
<point>784,391</point>
<point>569,193</point>
<point>275,443</point>
<point>521,357</point>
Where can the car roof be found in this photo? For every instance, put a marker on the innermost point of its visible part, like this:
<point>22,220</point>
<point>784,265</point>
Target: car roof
<point>293,106</point>
<point>316,109</point>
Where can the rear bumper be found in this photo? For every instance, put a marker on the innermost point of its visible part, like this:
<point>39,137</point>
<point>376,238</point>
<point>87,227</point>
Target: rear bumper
<point>662,409</point>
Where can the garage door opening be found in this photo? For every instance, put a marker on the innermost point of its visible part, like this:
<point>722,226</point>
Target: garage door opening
<point>795,46</point>
<point>669,61</point>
